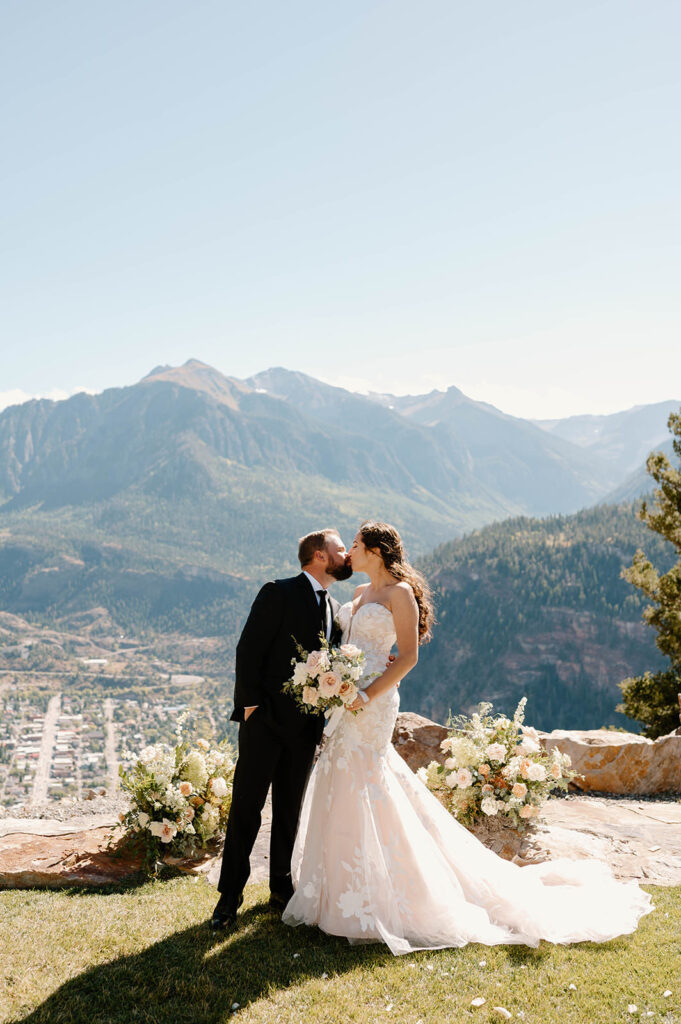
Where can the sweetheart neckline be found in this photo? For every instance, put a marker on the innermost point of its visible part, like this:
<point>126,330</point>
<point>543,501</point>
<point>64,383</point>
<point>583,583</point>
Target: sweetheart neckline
<point>365,604</point>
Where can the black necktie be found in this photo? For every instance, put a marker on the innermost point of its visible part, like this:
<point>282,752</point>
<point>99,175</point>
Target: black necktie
<point>323,605</point>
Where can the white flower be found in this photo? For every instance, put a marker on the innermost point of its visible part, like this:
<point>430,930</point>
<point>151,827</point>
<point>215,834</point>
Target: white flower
<point>536,772</point>
<point>164,830</point>
<point>464,779</point>
<point>143,819</point>
<point>195,770</point>
<point>450,780</point>
<point>496,752</point>
<point>310,695</point>
<point>451,763</point>
<point>489,806</point>
<point>528,746</point>
<point>203,745</point>
<point>300,674</point>
<point>218,786</point>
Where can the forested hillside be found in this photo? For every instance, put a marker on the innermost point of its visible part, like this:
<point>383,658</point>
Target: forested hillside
<point>537,607</point>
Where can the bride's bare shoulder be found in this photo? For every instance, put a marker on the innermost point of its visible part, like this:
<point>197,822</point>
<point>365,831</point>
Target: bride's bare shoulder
<point>359,590</point>
<point>401,594</point>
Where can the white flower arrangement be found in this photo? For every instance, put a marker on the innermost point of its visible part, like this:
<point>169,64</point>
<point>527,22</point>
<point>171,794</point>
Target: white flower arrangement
<point>495,766</point>
<point>180,797</point>
<point>326,678</point>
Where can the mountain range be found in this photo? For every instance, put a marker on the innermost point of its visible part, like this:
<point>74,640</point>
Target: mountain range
<point>170,500</point>
<point>184,431</point>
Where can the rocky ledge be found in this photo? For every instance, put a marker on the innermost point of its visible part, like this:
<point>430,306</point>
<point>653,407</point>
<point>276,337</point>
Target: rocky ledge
<point>621,763</point>
<point>638,834</point>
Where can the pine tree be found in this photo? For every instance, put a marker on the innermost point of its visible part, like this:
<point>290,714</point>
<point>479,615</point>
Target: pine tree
<point>654,698</point>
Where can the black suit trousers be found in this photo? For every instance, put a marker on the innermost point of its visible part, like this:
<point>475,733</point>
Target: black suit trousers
<point>266,757</point>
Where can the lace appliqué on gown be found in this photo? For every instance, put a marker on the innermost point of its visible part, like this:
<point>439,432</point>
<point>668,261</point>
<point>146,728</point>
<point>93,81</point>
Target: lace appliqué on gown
<point>378,858</point>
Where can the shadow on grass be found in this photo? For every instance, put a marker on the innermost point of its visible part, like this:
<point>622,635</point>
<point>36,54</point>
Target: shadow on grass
<point>196,976</point>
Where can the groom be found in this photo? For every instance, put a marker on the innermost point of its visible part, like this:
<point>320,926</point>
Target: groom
<point>277,740</point>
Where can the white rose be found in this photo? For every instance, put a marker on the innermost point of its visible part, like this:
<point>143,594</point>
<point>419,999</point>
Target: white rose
<point>143,819</point>
<point>451,763</point>
<point>528,746</point>
<point>300,674</point>
<point>464,779</point>
<point>349,650</point>
<point>218,786</point>
<point>489,806</point>
<point>536,772</point>
<point>451,780</point>
<point>496,752</point>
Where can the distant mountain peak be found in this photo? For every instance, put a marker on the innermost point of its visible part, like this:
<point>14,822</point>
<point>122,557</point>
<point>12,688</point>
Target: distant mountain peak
<point>198,376</point>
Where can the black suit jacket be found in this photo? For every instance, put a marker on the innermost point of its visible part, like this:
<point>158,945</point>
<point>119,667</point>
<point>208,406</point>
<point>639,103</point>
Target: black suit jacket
<point>283,612</point>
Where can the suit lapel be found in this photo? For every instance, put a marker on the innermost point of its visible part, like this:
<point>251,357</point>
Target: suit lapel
<point>309,598</point>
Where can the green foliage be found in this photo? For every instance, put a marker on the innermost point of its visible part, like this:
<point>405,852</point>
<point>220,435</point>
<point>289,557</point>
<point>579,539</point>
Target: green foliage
<point>538,608</point>
<point>653,698</point>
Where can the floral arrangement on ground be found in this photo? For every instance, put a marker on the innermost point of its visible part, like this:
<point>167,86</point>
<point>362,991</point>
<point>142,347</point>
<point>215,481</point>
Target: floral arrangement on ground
<point>495,768</point>
<point>179,798</point>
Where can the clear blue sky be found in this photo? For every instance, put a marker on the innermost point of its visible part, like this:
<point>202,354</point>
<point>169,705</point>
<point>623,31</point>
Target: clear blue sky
<point>396,196</point>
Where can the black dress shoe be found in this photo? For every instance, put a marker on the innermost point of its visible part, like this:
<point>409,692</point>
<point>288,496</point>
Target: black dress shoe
<point>277,901</point>
<point>224,916</point>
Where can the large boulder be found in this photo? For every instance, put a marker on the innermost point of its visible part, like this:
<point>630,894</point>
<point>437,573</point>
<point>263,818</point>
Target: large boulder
<point>418,740</point>
<point>51,853</point>
<point>620,762</point>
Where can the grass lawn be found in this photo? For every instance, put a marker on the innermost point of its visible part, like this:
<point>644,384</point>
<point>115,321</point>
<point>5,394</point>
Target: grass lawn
<point>145,954</point>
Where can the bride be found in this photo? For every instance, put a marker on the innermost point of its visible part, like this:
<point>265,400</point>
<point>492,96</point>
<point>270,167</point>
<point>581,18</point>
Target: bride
<point>377,858</point>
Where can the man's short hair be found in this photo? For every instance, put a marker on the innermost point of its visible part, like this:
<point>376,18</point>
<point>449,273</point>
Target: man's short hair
<point>312,542</point>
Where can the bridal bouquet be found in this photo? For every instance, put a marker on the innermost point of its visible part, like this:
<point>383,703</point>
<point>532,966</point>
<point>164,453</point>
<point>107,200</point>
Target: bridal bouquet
<point>495,766</point>
<point>326,678</point>
<point>180,797</point>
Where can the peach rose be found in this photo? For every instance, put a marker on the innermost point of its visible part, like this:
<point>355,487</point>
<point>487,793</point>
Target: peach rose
<point>317,661</point>
<point>329,684</point>
<point>310,695</point>
<point>347,691</point>
<point>519,790</point>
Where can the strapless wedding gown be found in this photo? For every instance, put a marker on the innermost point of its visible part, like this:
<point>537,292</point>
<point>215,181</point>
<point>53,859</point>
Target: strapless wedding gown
<point>377,858</point>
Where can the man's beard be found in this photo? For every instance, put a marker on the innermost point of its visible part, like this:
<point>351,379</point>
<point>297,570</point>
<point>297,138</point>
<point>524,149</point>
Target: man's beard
<point>340,572</point>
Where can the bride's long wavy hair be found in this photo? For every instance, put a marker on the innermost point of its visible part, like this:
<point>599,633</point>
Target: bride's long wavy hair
<point>389,544</point>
